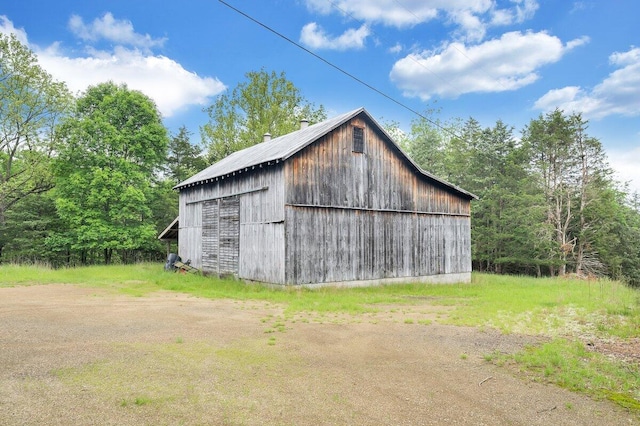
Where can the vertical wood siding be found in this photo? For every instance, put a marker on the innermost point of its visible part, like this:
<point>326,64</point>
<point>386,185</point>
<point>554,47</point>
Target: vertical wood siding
<point>262,255</point>
<point>221,235</point>
<point>329,245</point>
<point>229,235</point>
<point>210,235</point>
<point>329,215</point>
<point>190,228</point>
<point>262,207</point>
<point>367,216</point>
<point>329,173</point>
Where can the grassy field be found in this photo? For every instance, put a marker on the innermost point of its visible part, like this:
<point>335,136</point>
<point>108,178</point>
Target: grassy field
<point>570,313</point>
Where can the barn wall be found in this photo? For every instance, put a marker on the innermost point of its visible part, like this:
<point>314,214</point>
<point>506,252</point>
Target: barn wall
<point>190,226</point>
<point>261,194</point>
<point>262,254</point>
<point>329,173</point>
<point>367,217</point>
<point>262,235</point>
<point>327,245</point>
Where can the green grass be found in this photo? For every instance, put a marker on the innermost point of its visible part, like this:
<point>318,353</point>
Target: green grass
<point>512,304</point>
<point>570,365</point>
<point>566,310</point>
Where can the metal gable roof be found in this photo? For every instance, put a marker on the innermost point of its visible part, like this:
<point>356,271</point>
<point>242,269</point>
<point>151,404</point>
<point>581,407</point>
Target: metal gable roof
<point>275,150</point>
<point>283,147</point>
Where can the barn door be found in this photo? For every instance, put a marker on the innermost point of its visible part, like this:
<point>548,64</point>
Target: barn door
<point>210,236</point>
<point>221,236</point>
<point>229,235</point>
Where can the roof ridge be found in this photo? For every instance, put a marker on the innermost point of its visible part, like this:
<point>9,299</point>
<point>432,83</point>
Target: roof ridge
<point>276,149</point>
<point>283,147</point>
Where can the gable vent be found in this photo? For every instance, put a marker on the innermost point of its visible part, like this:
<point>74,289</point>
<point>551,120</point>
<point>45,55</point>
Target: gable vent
<point>358,139</point>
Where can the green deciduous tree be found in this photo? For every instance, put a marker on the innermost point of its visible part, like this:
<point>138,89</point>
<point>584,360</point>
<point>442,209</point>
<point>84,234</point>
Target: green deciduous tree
<point>429,143</point>
<point>113,144</point>
<point>264,103</point>
<point>31,104</point>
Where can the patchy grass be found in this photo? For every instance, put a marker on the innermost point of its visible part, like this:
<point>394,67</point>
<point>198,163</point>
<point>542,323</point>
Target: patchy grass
<point>549,306</point>
<point>168,380</point>
<point>570,365</point>
<point>569,311</point>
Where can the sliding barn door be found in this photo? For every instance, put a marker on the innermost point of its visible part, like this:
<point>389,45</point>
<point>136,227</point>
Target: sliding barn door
<point>229,235</point>
<point>221,236</point>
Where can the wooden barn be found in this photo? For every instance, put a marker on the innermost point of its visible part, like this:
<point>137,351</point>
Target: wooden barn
<point>335,203</point>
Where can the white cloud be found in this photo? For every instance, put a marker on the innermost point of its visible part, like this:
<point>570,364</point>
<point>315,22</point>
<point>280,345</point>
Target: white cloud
<point>579,6</point>
<point>397,48</point>
<point>580,41</point>
<point>618,94</point>
<point>471,26</point>
<point>164,80</point>
<point>625,163</point>
<point>161,78</point>
<point>525,9</point>
<point>7,28</point>
<point>114,30</point>
<point>471,17</point>
<point>312,35</point>
<point>498,65</point>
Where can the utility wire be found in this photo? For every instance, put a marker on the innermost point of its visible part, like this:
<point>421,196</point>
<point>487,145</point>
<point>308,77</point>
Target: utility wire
<point>411,57</point>
<point>348,74</point>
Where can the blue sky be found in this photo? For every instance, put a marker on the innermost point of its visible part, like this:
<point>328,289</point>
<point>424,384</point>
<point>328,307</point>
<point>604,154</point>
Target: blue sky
<point>487,59</point>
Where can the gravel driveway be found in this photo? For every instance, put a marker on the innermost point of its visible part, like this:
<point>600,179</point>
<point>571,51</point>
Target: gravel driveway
<point>79,356</point>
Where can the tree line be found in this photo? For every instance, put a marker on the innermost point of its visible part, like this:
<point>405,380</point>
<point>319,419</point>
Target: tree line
<point>548,203</point>
<point>88,179</point>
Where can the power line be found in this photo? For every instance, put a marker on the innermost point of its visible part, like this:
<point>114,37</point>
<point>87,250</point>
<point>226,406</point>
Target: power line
<point>411,57</point>
<point>348,74</point>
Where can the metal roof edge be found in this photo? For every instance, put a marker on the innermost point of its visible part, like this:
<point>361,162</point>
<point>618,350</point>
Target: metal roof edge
<point>335,123</point>
<point>340,120</point>
<point>415,165</point>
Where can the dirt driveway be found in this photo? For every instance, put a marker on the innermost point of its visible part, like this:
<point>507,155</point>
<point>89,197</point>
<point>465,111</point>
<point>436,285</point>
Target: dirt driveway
<point>79,356</point>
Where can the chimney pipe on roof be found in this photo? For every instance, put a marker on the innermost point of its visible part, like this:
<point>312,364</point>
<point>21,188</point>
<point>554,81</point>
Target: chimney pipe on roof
<point>266,137</point>
<point>304,123</point>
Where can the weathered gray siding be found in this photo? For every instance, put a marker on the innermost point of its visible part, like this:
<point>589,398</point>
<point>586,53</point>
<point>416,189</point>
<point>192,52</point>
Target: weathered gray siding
<point>262,235</point>
<point>262,257</point>
<point>210,235</point>
<point>260,194</point>
<point>328,173</point>
<point>369,216</point>
<point>327,214</point>
<point>190,226</point>
<point>336,245</point>
<point>221,235</point>
<point>229,236</point>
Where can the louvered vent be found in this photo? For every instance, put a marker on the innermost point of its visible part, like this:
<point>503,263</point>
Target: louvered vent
<point>358,139</point>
